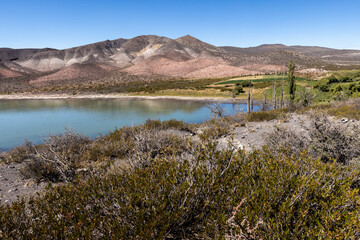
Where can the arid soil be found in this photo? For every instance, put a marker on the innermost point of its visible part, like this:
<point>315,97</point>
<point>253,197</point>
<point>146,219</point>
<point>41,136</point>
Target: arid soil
<point>13,185</point>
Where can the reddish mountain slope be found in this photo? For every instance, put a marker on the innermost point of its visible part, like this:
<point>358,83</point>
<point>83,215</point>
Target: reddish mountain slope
<point>151,55</point>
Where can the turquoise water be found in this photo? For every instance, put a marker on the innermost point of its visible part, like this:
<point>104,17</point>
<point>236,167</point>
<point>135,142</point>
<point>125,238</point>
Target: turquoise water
<point>34,120</point>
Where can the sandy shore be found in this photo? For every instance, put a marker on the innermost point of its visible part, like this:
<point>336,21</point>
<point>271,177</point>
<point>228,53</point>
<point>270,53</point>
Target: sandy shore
<point>27,96</point>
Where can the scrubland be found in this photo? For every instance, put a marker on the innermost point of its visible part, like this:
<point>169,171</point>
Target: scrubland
<point>173,180</point>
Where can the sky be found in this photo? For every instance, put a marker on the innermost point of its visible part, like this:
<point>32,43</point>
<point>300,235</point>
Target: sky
<point>241,23</point>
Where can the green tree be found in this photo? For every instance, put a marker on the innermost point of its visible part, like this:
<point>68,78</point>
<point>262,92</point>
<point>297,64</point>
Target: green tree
<point>292,85</point>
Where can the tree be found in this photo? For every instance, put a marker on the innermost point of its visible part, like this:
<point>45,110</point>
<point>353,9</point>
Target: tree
<point>282,94</point>
<point>274,95</point>
<point>248,101</point>
<point>292,85</point>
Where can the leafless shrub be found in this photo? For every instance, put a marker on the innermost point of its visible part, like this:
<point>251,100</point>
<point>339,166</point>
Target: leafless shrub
<point>325,139</point>
<point>330,140</point>
<point>306,97</point>
<point>150,145</point>
<point>282,137</point>
<point>216,110</point>
<point>57,158</point>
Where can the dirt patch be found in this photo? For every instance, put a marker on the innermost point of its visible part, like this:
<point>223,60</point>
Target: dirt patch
<point>13,185</point>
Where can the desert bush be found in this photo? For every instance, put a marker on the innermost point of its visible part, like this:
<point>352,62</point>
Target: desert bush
<point>277,197</point>
<point>324,139</point>
<point>283,138</point>
<point>148,141</point>
<point>299,206</point>
<point>333,141</point>
<point>349,109</point>
<point>267,115</point>
<point>168,124</point>
<point>306,97</point>
<point>20,153</point>
<point>55,160</point>
<point>216,110</point>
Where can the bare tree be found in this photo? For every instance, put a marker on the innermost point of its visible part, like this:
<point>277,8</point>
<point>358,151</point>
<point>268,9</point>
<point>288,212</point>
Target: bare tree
<point>248,101</point>
<point>217,110</point>
<point>282,94</point>
<point>252,99</point>
<point>274,96</point>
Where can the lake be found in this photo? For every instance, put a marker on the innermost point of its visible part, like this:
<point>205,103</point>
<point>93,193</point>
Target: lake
<point>34,120</point>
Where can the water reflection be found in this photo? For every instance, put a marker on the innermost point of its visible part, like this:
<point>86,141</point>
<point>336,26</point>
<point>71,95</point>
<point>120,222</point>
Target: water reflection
<point>35,119</point>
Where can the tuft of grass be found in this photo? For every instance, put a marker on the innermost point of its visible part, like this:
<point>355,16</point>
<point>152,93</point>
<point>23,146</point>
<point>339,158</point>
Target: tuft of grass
<point>267,115</point>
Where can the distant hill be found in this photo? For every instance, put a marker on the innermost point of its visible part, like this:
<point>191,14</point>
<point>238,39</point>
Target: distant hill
<point>185,57</point>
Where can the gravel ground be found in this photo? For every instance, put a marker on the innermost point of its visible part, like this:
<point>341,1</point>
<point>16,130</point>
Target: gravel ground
<point>13,185</point>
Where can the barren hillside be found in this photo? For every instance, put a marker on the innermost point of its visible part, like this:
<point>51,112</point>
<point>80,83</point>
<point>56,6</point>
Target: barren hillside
<point>185,57</point>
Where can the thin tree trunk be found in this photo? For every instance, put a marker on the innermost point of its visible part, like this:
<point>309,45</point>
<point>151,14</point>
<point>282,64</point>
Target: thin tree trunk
<point>252,101</point>
<point>282,94</point>
<point>248,101</point>
<point>274,96</point>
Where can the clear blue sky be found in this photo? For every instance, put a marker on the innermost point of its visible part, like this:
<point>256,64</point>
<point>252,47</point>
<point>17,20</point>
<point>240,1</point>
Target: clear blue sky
<point>242,23</point>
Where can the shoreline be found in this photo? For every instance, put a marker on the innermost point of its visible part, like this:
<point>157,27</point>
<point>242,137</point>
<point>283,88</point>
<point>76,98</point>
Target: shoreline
<point>26,96</point>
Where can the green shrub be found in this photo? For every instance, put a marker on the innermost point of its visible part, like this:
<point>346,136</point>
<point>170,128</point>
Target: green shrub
<point>322,85</point>
<point>237,90</point>
<point>277,197</point>
<point>332,79</point>
<point>246,83</point>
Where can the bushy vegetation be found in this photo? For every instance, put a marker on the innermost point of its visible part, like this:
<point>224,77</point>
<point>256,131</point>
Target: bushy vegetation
<point>247,82</point>
<point>327,140</point>
<point>212,195</point>
<point>168,180</point>
<point>341,85</point>
<point>132,86</point>
<point>267,115</point>
<point>345,109</point>
<point>55,160</point>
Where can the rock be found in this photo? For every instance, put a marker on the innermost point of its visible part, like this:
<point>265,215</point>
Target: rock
<point>82,170</point>
<point>344,120</point>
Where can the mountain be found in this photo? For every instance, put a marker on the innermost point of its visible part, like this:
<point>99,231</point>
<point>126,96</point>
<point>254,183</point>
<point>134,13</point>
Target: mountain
<point>154,56</point>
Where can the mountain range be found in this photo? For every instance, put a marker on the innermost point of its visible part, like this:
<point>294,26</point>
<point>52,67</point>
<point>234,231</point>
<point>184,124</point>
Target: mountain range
<point>152,57</point>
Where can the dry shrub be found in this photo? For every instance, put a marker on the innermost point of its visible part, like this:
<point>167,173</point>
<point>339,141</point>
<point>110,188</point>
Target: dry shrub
<point>349,109</point>
<point>56,159</point>
<point>330,140</point>
<point>267,115</point>
<point>325,139</point>
<point>281,196</point>
<point>149,141</point>
<point>217,127</point>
